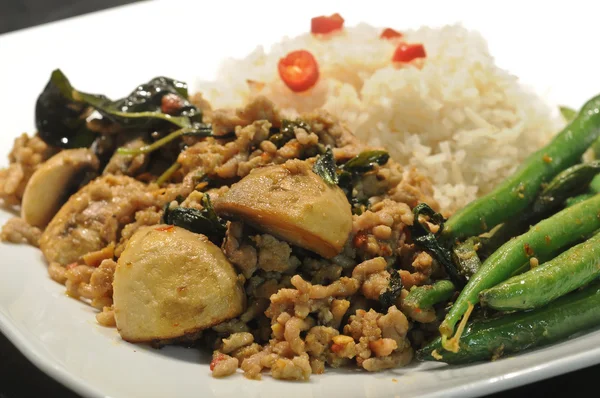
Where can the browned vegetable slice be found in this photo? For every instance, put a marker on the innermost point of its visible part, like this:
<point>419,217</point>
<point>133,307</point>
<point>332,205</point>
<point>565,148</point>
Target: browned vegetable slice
<point>93,217</point>
<point>51,184</point>
<point>170,282</point>
<point>293,203</point>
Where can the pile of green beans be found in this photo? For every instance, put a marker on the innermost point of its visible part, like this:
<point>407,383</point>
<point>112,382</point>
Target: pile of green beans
<point>512,333</point>
<point>547,218</point>
<point>572,269</point>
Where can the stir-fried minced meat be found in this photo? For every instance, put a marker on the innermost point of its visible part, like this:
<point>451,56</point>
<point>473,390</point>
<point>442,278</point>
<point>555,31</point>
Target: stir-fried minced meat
<point>25,157</point>
<point>309,304</point>
<point>93,217</point>
<point>16,230</point>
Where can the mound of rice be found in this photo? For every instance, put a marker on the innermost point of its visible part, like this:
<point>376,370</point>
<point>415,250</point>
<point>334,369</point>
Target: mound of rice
<point>459,119</point>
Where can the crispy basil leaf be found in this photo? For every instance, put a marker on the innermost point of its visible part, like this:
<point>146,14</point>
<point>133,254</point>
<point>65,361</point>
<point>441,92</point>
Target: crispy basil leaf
<point>59,119</point>
<point>389,297</point>
<point>325,167</point>
<point>61,110</point>
<point>281,136</point>
<point>204,221</point>
<point>142,108</point>
<point>425,239</point>
<point>366,161</point>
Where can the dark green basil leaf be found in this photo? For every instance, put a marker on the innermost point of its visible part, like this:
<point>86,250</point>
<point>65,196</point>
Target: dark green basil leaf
<point>389,297</point>
<point>425,239</point>
<point>61,110</point>
<point>59,119</point>
<point>204,221</point>
<point>325,167</point>
<point>281,136</point>
<point>142,108</point>
<point>366,161</point>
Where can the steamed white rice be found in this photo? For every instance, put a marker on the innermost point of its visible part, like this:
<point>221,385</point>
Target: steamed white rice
<point>460,119</point>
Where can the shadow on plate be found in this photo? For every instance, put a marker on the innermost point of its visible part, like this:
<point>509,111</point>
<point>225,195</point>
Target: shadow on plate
<point>196,355</point>
<point>12,210</point>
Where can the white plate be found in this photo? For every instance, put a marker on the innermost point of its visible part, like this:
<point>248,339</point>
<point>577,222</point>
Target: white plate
<point>109,52</point>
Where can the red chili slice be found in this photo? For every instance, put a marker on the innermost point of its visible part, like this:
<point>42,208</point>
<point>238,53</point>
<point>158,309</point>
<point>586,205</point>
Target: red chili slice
<point>407,52</point>
<point>389,33</point>
<point>299,70</point>
<point>215,361</point>
<point>326,24</point>
<point>167,228</point>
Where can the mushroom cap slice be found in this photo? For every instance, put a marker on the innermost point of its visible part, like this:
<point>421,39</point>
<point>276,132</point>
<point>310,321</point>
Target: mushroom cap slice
<point>293,203</point>
<point>170,282</point>
<point>93,217</point>
<point>49,186</point>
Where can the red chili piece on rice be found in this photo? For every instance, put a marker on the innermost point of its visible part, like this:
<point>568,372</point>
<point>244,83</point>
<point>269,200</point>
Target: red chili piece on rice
<point>326,24</point>
<point>408,52</point>
<point>299,70</point>
<point>389,33</point>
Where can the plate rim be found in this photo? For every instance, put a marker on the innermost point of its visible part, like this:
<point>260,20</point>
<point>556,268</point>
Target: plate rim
<point>44,362</point>
<point>480,387</point>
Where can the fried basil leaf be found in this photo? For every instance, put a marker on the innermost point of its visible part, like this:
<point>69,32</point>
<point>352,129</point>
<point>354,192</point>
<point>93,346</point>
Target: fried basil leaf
<point>59,119</point>
<point>425,239</point>
<point>204,221</point>
<point>325,167</point>
<point>61,110</point>
<point>389,297</point>
<point>143,107</point>
<point>281,136</point>
<point>366,161</point>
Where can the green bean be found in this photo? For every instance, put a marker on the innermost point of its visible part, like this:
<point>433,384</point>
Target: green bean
<point>541,241</point>
<point>518,331</point>
<point>572,269</point>
<point>567,183</point>
<point>595,184</point>
<point>596,148</point>
<point>593,189</point>
<point>558,193</point>
<point>567,113</point>
<point>427,296</point>
<point>523,268</point>
<point>518,191</point>
<point>465,257</point>
<point>499,235</point>
<point>578,199</point>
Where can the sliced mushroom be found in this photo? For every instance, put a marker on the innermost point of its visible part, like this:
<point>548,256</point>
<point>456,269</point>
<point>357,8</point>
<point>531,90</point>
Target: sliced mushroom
<point>128,165</point>
<point>292,203</point>
<point>50,185</point>
<point>93,218</point>
<point>170,282</point>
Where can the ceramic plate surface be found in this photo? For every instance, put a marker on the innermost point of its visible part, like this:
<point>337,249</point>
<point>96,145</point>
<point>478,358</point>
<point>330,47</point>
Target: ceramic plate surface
<point>549,46</point>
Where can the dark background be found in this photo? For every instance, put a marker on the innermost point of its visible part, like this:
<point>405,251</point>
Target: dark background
<point>19,378</point>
